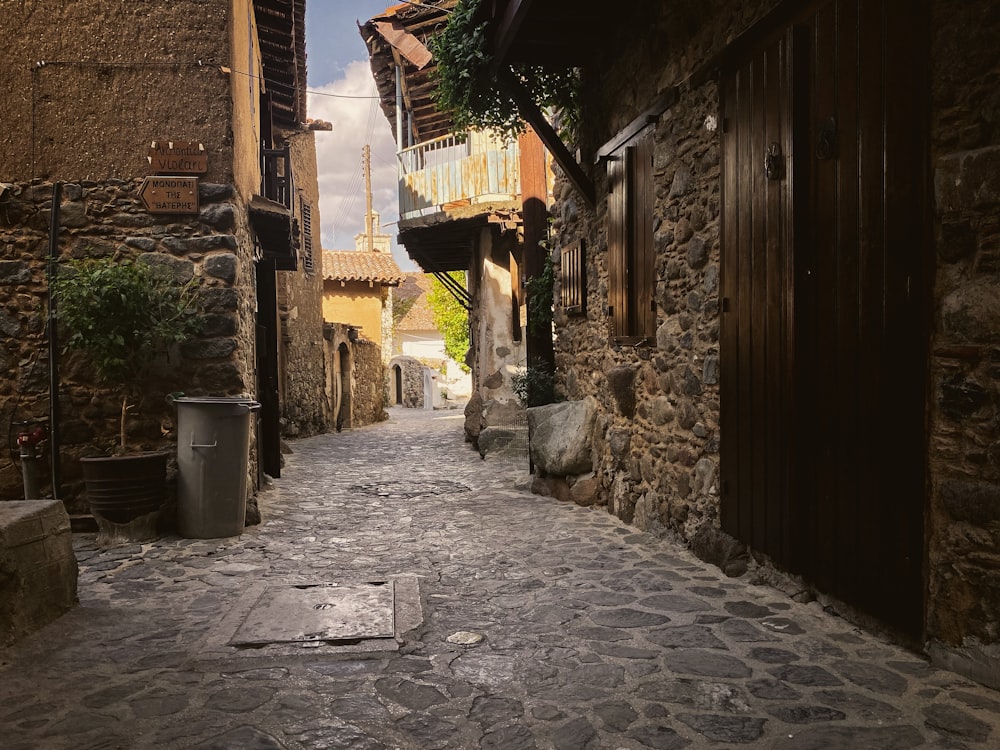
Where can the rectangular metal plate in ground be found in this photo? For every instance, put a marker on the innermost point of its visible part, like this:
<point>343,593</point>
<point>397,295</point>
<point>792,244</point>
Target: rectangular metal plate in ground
<point>319,612</point>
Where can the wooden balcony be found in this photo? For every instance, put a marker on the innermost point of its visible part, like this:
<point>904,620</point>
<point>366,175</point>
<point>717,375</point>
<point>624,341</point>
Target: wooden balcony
<point>456,171</point>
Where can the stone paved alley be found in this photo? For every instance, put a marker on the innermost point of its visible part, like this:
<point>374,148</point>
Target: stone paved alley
<point>526,623</point>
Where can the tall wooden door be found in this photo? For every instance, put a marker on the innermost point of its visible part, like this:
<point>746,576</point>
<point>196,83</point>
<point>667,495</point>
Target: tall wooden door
<point>824,333</point>
<point>267,369</point>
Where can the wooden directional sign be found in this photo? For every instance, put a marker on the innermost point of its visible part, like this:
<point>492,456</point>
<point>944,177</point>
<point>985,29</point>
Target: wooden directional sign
<point>162,194</point>
<point>177,157</point>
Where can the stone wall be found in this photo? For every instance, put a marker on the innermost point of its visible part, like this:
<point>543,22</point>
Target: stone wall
<point>656,447</point>
<point>965,364</point>
<point>107,219</point>
<point>657,443</point>
<point>300,309</point>
<point>369,398</point>
<point>412,376</point>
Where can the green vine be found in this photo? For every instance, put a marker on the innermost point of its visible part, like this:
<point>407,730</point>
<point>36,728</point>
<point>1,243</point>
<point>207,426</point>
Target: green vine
<point>538,294</point>
<point>535,385</point>
<point>451,319</point>
<point>467,86</point>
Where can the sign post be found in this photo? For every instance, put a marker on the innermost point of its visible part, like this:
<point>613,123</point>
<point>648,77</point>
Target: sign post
<point>163,194</point>
<point>177,157</point>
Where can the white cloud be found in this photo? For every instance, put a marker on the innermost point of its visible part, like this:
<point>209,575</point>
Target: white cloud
<point>356,121</point>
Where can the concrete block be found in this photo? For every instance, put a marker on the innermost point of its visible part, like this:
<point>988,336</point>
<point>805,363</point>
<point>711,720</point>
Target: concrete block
<point>38,570</point>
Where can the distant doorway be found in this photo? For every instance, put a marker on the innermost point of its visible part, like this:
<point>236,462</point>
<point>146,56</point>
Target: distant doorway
<point>342,388</point>
<point>397,379</point>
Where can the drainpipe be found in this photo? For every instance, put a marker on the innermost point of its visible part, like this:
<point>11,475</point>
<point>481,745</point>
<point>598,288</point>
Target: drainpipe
<point>54,417</point>
<point>399,109</point>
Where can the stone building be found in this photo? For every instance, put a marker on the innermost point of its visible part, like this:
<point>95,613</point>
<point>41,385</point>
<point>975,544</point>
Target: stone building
<point>460,196</point>
<point>417,337</point>
<point>99,95</point>
<point>358,284</point>
<point>356,378</point>
<point>783,301</point>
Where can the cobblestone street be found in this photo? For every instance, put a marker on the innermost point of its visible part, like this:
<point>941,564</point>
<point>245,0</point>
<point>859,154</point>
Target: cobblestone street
<point>521,622</point>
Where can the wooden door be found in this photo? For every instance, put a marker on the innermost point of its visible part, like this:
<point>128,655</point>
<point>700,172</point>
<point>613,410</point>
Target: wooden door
<point>267,368</point>
<point>824,304</point>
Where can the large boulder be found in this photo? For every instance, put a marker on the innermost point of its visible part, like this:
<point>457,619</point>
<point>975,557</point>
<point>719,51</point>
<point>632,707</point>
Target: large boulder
<point>561,436</point>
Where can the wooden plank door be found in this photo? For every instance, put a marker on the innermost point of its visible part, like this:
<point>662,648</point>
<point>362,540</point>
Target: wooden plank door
<point>824,324</point>
<point>267,368</point>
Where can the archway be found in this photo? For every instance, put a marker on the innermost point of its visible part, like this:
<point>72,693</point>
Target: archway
<point>397,379</point>
<point>342,388</point>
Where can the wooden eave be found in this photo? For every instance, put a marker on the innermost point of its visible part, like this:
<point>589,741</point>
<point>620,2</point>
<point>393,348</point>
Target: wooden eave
<point>445,241</point>
<point>282,40</point>
<point>422,21</point>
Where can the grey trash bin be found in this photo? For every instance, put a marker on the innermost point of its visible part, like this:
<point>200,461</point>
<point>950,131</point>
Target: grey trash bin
<point>213,450</point>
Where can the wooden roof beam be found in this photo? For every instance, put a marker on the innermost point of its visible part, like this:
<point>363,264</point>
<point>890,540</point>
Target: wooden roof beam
<point>534,117</point>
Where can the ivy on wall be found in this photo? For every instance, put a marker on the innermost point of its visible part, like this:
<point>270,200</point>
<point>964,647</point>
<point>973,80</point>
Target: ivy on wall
<point>467,85</point>
<point>451,319</point>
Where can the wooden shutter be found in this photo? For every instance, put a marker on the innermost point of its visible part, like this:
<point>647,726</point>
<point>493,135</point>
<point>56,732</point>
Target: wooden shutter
<point>641,266</point>
<point>617,247</point>
<point>305,212</point>
<point>631,280</point>
<point>573,279</point>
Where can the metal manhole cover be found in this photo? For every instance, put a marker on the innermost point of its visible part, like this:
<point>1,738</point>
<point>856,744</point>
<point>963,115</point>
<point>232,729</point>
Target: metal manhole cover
<point>393,488</point>
<point>319,612</point>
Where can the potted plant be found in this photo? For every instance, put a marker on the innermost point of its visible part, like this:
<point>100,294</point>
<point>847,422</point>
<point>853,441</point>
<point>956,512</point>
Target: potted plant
<point>123,315</point>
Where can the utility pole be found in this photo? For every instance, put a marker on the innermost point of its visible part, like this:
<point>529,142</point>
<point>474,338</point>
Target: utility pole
<point>369,219</point>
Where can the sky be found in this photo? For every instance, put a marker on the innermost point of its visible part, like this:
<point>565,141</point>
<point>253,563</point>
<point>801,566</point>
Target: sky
<point>342,92</point>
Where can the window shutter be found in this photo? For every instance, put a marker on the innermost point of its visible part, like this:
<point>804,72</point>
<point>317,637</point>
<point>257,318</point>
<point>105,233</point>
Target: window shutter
<point>307,238</point>
<point>573,279</point>
<point>643,263</point>
<point>617,248</point>
<point>631,263</point>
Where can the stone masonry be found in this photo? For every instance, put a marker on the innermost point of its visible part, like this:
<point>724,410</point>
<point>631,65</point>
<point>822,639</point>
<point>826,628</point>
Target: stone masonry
<point>38,568</point>
<point>103,219</point>
<point>656,450</point>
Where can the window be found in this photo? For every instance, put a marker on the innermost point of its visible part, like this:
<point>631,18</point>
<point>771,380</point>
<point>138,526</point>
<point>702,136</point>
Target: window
<point>307,237</point>
<point>573,279</point>
<point>630,241</point>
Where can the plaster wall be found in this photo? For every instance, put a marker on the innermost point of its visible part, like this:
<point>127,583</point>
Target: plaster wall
<point>245,86</point>
<point>499,356</point>
<point>357,303</point>
<point>116,76</point>
<point>300,309</point>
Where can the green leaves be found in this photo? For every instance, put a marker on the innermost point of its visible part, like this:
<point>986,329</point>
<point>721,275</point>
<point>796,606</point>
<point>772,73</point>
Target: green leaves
<point>467,87</point>
<point>121,313</point>
<point>451,319</point>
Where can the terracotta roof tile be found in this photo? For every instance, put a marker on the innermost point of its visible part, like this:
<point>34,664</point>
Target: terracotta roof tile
<point>353,265</point>
<point>419,317</point>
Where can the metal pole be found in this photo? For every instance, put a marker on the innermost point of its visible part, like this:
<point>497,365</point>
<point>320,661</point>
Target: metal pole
<point>399,109</point>
<point>54,417</point>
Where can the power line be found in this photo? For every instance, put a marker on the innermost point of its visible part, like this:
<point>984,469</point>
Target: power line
<point>195,64</point>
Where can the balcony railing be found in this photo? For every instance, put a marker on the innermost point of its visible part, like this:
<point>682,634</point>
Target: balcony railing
<point>276,175</point>
<point>455,169</point>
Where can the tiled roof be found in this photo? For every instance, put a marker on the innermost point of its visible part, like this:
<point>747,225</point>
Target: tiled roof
<point>419,317</point>
<point>352,265</point>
